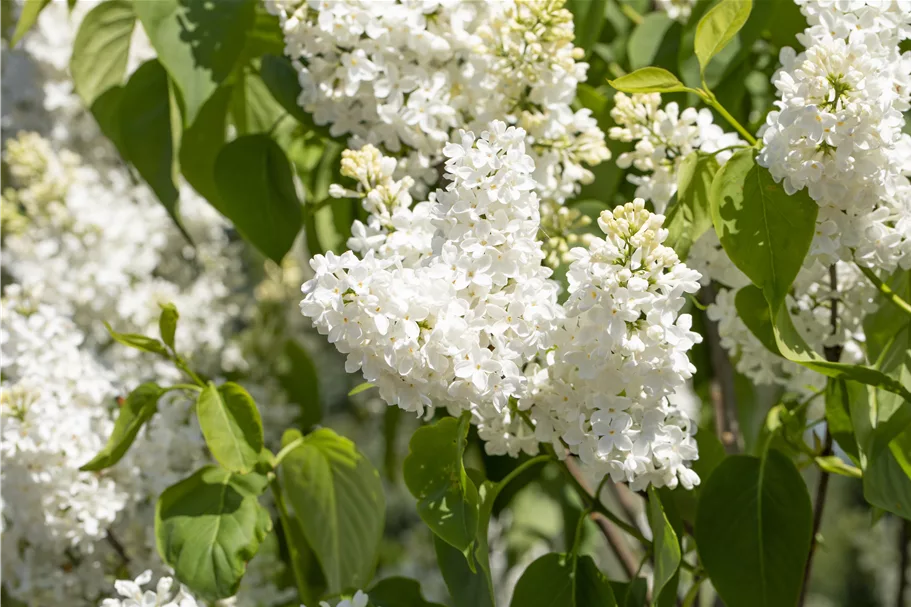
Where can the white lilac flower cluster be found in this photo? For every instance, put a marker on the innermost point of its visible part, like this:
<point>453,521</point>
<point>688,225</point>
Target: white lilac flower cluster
<point>678,10</point>
<point>360,599</point>
<point>664,136</point>
<point>474,324</point>
<point>620,353</point>
<point>406,75</point>
<point>132,594</point>
<point>838,128</point>
<point>83,244</point>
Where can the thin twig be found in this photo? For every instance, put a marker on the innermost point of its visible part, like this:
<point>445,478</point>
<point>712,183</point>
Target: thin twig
<point>903,561</point>
<point>833,353</point>
<point>724,400</point>
<point>117,546</point>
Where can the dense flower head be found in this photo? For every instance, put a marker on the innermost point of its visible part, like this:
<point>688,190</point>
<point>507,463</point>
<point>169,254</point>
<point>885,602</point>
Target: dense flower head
<point>663,137</point>
<point>474,324</point>
<point>620,353</point>
<point>405,76</point>
<point>838,129</point>
<point>132,594</point>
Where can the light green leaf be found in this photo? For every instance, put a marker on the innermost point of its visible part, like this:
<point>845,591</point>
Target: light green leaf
<point>753,528</point>
<point>257,193</point>
<point>208,526</point>
<point>167,323</point>
<point>362,387</point>
<point>338,500</point>
<point>765,232</point>
<point>135,411</point>
<point>145,131</point>
<point>27,18</point>
<point>666,545</point>
<point>718,27</point>
<point>690,215</point>
<point>649,38</point>
<point>198,41</point>
<point>231,425</point>
<point>302,384</point>
<point>648,80</point>
<point>137,341</point>
<point>435,474</point>
<point>838,416</point>
<point>834,465</point>
<point>253,107</point>
<point>398,592</point>
<point>202,142</point>
<point>102,48</point>
<point>589,27</point>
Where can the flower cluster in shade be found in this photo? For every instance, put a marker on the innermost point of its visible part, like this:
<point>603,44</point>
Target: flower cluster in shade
<point>131,594</point>
<point>663,137</point>
<point>405,76</point>
<point>838,128</point>
<point>82,244</point>
<point>461,313</point>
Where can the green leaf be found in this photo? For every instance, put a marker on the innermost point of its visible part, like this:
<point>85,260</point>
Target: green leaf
<point>753,529</point>
<point>202,142</point>
<point>435,474</point>
<point>782,338</point>
<point>398,592</point>
<point>102,48</point>
<point>137,342</point>
<point>631,594</point>
<point>666,545</point>
<point>257,194</point>
<point>765,232</point>
<point>27,18</point>
<point>198,41</point>
<point>338,500</point>
<point>167,323</point>
<point>231,425</point>
<point>208,526</point>
<point>136,410</point>
<point>145,130</point>
<point>281,78</point>
<point>589,29</point>
<point>834,465</point>
<point>651,41</point>
<point>302,385</point>
<point>648,80</point>
<point>254,109</point>
<point>838,416</point>
<point>718,27</point>
<point>362,387</point>
<point>887,477</point>
<point>106,111</point>
<point>468,588</point>
<point>549,580</point>
<point>690,215</point>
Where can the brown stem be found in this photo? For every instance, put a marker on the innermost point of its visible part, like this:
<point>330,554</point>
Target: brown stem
<point>721,388</point>
<point>903,561</point>
<point>117,546</point>
<point>833,353</point>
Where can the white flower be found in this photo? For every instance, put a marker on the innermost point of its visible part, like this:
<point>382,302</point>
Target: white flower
<point>134,596</point>
<point>358,600</point>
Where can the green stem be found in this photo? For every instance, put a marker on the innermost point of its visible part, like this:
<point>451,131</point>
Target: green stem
<point>182,365</point>
<point>192,387</point>
<point>711,100</point>
<point>631,13</point>
<point>297,442</point>
<point>691,595</point>
<point>885,289</point>
<point>539,459</point>
<point>303,590</point>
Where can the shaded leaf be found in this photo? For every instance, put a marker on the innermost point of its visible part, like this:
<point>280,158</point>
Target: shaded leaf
<point>101,49</point>
<point>690,215</point>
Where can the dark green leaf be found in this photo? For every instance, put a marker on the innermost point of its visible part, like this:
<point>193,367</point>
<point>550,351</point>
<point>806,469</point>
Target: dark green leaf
<point>765,232</point>
<point>651,43</point>
<point>447,499</point>
<point>468,588</point>
<point>208,526</point>
<point>254,108</point>
<point>666,546</point>
<point>690,215</point>
<point>102,48</point>
<point>231,424</point>
<point>136,410</point>
<point>631,594</point>
<point>145,130</point>
<point>167,323</point>
<point>281,79</point>
<point>398,592</point>
<point>257,193</point>
<point>106,110</point>
<point>27,18</point>
<point>338,500</point>
<point>549,580</point>
<point>202,142</point>
<point>198,41</point>
<point>589,28</point>
<point>648,80</point>
<point>718,27</point>
<point>753,529</point>
<point>838,416</point>
<point>302,385</point>
<point>138,342</point>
